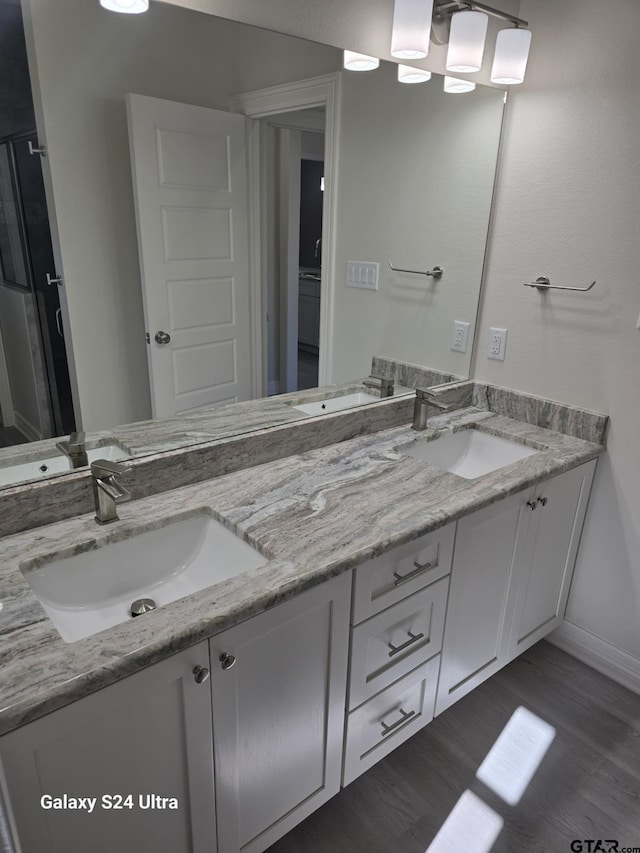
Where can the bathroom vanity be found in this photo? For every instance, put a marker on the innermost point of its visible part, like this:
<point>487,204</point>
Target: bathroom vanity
<point>390,588</point>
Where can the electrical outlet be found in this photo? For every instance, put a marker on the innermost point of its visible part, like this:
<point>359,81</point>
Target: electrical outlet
<point>497,343</point>
<point>460,336</point>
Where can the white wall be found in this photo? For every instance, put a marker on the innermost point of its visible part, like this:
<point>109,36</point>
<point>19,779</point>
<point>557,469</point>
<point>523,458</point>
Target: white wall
<point>569,207</point>
<point>415,178</point>
<point>83,61</point>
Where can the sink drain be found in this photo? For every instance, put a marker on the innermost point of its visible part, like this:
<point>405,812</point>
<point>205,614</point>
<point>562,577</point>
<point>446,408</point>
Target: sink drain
<point>142,605</point>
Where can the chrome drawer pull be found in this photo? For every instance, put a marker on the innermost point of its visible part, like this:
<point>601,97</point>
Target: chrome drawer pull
<point>419,568</point>
<point>413,638</point>
<point>406,715</point>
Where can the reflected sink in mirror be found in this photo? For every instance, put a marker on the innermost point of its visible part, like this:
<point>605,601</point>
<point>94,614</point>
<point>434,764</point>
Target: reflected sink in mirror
<point>468,453</point>
<point>89,592</point>
<point>55,463</point>
<point>336,404</point>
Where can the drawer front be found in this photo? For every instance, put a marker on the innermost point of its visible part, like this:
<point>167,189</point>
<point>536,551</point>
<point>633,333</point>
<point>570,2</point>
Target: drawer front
<point>392,643</point>
<point>390,718</point>
<point>385,580</point>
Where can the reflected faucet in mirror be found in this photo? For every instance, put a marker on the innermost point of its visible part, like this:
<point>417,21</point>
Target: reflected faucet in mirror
<point>76,449</point>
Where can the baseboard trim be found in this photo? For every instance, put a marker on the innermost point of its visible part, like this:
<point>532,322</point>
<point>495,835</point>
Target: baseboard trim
<point>598,653</point>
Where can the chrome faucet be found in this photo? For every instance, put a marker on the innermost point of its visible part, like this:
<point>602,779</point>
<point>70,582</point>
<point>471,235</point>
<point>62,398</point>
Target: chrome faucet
<point>75,449</point>
<point>424,399</point>
<point>107,491</point>
<point>379,383</point>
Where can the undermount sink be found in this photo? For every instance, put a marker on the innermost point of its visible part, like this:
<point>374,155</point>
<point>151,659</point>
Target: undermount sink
<point>94,590</point>
<point>337,404</point>
<point>468,453</point>
<point>55,463</point>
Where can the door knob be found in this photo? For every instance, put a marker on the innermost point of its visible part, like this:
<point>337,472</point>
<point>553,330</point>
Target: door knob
<point>226,660</point>
<point>162,337</point>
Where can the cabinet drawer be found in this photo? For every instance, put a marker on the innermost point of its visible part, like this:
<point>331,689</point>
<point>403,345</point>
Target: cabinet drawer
<point>402,571</point>
<point>390,718</point>
<point>390,644</point>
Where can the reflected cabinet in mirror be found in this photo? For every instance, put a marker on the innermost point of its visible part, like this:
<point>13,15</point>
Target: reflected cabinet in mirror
<point>194,245</point>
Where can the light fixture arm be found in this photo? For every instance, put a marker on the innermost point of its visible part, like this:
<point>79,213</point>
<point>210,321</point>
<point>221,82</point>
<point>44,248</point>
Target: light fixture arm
<point>442,10</point>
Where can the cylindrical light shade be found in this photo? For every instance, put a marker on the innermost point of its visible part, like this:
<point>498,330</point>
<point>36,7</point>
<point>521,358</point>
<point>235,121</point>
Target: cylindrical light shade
<point>510,58</point>
<point>454,85</point>
<point>359,61</point>
<point>129,7</point>
<point>411,28</point>
<point>408,74</point>
<point>466,41</point>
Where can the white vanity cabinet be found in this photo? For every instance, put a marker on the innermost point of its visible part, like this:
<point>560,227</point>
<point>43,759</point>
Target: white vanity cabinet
<point>278,691</point>
<point>149,734</point>
<point>510,579</point>
<point>399,606</point>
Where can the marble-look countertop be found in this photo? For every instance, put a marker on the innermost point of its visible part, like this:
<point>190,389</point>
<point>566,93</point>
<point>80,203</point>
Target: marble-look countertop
<point>313,515</point>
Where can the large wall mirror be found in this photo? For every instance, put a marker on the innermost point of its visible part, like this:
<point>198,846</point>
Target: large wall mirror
<point>412,179</point>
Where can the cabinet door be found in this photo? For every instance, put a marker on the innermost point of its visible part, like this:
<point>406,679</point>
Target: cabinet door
<point>546,554</point>
<point>148,734</point>
<point>278,715</point>
<point>474,639</point>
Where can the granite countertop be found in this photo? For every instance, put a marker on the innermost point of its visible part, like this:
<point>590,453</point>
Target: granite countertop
<point>313,516</point>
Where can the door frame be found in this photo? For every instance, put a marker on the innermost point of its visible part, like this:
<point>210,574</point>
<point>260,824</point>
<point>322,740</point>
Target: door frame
<point>324,91</point>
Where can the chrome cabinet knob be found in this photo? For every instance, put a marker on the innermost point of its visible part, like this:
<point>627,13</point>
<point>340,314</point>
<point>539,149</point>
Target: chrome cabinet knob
<point>532,505</point>
<point>542,501</point>
<point>226,660</point>
<point>162,337</point>
<point>200,674</point>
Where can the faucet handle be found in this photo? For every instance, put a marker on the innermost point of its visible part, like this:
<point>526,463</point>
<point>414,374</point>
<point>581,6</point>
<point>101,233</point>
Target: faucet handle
<point>105,468</point>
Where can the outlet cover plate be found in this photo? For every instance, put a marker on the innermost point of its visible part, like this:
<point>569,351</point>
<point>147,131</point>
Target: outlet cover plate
<point>460,336</point>
<point>497,343</point>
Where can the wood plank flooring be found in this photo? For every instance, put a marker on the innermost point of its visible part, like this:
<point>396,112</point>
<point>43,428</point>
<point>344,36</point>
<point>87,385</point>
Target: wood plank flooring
<point>587,786</point>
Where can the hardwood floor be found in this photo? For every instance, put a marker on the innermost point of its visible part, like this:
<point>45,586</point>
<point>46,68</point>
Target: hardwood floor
<point>586,787</point>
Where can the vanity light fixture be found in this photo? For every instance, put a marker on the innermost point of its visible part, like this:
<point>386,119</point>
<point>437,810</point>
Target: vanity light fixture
<point>466,41</point>
<point>455,85</point>
<point>510,58</point>
<point>409,74</point>
<point>353,61</point>
<point>463,24</point>
<point>129,7</point>
<point>411,28</point>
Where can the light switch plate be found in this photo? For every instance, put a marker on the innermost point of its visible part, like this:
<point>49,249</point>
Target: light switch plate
<point>362,274</point>
<point>497,343</point>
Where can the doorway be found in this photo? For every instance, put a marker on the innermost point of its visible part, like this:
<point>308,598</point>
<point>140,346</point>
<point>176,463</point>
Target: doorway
<point>294,190</point>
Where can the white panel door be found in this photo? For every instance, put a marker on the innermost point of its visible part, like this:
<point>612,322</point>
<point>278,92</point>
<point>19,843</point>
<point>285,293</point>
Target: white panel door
<point>190,187</point>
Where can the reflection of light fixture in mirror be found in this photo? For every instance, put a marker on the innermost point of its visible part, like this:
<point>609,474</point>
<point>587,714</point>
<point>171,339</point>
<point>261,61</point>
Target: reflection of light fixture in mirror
<point>510,58</point>
<point>466,41</point>
<point>408,74</point>
<point>463,23</point>
<point>457,86</point>
<point>359,61</point>
<point>411,28</point>
<point>129,7</point>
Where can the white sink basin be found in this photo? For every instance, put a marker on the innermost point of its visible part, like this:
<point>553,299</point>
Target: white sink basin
<point>468,453</point>
<point>337,404</point>
<point>89,592</point>
<point>55,463</point>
